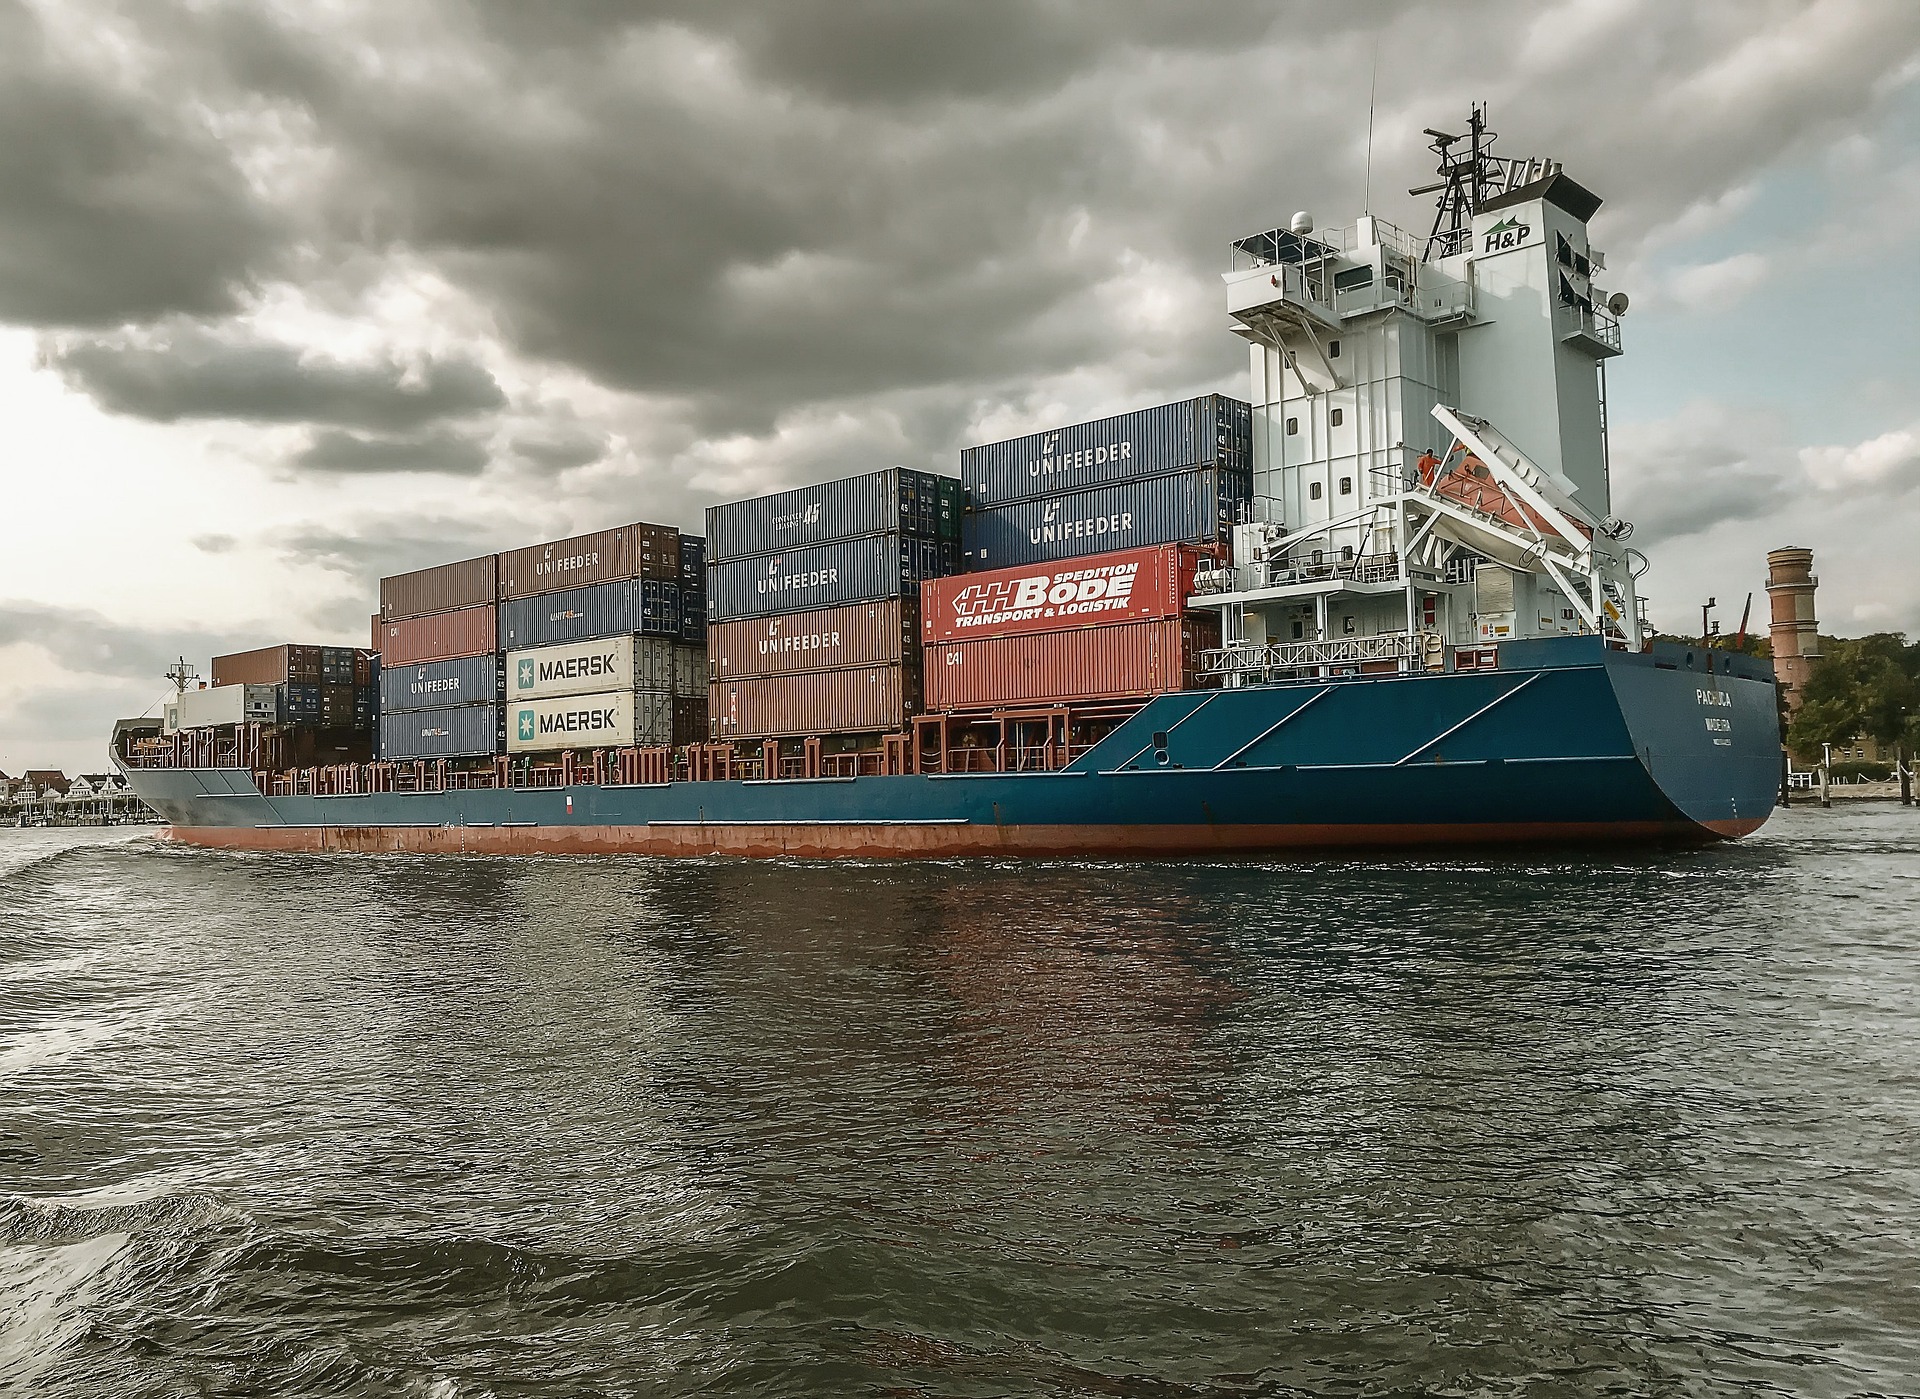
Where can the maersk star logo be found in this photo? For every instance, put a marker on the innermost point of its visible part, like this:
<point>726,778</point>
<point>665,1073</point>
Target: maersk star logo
<point>526,725</point>
<point>526,674</point>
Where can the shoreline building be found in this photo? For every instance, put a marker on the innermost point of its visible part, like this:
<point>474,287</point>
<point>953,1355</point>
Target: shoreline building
<point>1794,631</point>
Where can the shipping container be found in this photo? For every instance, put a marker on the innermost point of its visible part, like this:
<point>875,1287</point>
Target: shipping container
<point>440,684</point>
<point>300,704</point>
<point>1132,660</point>
<point>464,731</point>
<point>336,706</point>
<point>829,575</point>
<point>270,665</point>
<point>336,665</point>
<point>610,719</point>
<point>1212,430</point>
<point>828,638</point>
<point>1187,507</point>
<point>441,636</point>
<point>364,662</point>
<point>227,704</point>
<point>1130,585</point>
<point>605,556</point>
<point>447,588</point>
<point>578,614</point>
<point>690,670</point>
<point>858,700</point>
<point>693,561</point>
<point>897,500</point>
<point>689,719</point>
<point>658,607</point>
<point>586,667</point>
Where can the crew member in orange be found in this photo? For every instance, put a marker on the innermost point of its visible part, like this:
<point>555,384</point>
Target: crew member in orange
<point>1428,467</point>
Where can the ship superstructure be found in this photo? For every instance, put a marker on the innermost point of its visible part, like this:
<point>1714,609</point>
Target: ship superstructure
<point>1429,432</point>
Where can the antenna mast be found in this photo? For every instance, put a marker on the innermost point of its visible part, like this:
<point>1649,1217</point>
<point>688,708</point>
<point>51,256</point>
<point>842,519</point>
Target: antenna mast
<point>181,674</point>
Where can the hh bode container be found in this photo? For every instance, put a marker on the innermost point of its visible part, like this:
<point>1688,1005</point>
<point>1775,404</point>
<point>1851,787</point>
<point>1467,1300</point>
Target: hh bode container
<point>1129,585</point>
<point>446,588</point>
<point>1212,430</point>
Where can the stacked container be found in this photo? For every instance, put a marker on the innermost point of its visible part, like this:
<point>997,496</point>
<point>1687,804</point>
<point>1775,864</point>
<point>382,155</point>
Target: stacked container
<point>319,687</point>
<point>1181,473</point>
<point>438,648</point>
<point>593,632</point>
<point>812,603</point>
<point>1108,626</point>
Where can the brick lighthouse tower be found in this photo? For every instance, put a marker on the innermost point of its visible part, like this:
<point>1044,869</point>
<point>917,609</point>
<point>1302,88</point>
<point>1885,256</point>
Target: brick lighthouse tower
<point>1795,633</point>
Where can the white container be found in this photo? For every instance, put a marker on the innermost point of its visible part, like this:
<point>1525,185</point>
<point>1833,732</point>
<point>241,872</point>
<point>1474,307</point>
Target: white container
<point>228,704</point>
<point>610,719</point>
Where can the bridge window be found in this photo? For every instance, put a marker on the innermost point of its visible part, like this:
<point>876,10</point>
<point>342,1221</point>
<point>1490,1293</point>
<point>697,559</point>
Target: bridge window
<point>1313,490</point>
<point>1347,624</point>
<point>1299,629</point>
<point>1293,427</point>
<point>1346,485</point>
<point>1333,346</point>
<point>1339,416</point>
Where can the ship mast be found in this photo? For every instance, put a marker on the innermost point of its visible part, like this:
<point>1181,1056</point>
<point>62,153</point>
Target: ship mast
<point>182,674</point>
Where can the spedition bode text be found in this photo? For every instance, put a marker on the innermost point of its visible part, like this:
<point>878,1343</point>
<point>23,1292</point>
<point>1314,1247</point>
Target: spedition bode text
<point>1081,593</point>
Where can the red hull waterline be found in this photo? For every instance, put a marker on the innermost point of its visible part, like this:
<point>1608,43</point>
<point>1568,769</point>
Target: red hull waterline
<point>934,840</point>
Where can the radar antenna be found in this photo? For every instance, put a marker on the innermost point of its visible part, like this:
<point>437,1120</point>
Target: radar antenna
<point>182,675</point>
<point>1470,177</point>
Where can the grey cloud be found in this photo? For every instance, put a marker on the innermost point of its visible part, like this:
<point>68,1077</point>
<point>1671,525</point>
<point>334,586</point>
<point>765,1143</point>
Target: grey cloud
<point>442,453</point>
<point>560,449</point>
<point>1709,466</point>
<point>186,371</point>
<point>367,550</point>
<point>88,643</point>
<point>214,543</point>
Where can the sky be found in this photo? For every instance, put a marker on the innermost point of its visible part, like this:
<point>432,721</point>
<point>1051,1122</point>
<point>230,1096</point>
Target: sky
<point>294,295</point>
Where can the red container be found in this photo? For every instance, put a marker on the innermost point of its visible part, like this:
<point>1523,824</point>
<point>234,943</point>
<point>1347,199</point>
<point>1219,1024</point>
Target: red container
<point>605,556</point>
<point>857,700</point>
<point>451,586</point>
<point>269,665</point>
<point>1128,585</point>
<point>1131,660</point>
<point>440,637</point>
<point>828,638</point>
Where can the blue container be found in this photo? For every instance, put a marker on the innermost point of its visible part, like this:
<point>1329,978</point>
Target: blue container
<point>577,614</point>
<point>299,704</point>
<point>1187,507</point>
<point>898,500</point>
<point>467,731</point>
<point>440,684</point>
<point>1212,430</point>
<point>827,575</point>
<point>659,609</point>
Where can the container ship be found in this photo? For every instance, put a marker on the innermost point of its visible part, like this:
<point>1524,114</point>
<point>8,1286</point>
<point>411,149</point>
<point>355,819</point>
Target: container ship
<point>1384,601</point>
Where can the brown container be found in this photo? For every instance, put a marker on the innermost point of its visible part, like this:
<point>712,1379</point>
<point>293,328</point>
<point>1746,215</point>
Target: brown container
<point>861,699</point>
<point>451,586</point>
<point>828,638</point>
<point>373,632</point>
<point>363,667</point>
<point>1128,661</point>
<point>689,719</point>
<point>440,637</point>
<point>605,556</point>
<point>269,665</point>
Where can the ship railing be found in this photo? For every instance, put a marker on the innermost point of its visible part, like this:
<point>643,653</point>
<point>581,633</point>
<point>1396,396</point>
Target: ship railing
<point>1337,658</point>
<point>1367,568</point>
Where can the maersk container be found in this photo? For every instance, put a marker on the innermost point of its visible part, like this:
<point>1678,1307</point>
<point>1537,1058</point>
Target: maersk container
<point>465,731</point>
<point>1129,585</point>
<point>447,588</point>
<point>227,704</point>
<point>624,662</point>
<point>898,500</point>
<point>1187,507</point>
<point>605,556</point>
<point>578,614</point>
<point>1131,660</point>
<point>829,638</point>
<point>610,719</point>
<point>439,637</point>
<point>440,684</point>
<point>828,575</point>
<point>1212,430</point>
<point>857,700</point>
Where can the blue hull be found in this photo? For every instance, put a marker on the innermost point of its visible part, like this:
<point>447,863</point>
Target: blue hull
<point>1567,741</point>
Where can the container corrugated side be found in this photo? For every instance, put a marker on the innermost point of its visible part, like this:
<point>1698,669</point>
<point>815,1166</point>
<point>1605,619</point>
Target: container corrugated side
<point>228,704</point>
<point>897,500</point>
<point>271,665</point>
<point>586,667</point>
<point>1187,507</point>
<point>638,550</point>
<point>657,606</point>
<point>440,684</point>
<point>446,588</point>
<point>1130,585</point>
<point>829,638</point>
<point>577,614</point>
<point>859,700</point>
<point>1212,430</point>
<point>690,719</point>
<point>828,575</point>
<point>690,670</point>
<point>1129,661</point>
<point>463,731</point>
<point>609,719</point>
<point>438,637</point>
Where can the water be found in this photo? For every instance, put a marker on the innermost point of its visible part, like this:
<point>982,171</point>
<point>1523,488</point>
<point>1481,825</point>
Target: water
<point>1569,1124</point>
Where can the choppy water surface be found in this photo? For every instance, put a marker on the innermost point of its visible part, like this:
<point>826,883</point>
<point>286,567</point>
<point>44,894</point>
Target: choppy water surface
<point>1562,1124</point>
